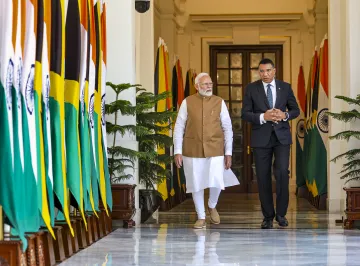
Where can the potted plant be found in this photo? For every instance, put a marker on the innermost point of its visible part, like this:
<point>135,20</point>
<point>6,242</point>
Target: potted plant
<point>351,169</point>
<point>152,133</point>
<point>121,159</point>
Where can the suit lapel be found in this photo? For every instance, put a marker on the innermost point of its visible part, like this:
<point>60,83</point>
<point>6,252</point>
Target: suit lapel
<point>278,94</point>
<point>262,94</point>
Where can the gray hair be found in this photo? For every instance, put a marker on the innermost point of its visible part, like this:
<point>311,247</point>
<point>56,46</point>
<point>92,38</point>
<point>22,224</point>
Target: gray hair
<point>199,76</point>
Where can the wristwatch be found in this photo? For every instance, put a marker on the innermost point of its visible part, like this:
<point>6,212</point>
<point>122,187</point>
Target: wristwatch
<point>286,116</point>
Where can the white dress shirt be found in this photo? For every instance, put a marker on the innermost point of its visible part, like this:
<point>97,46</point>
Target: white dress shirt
<point>273,90</point>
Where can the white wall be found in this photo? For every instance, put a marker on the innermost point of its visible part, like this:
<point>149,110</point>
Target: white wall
<point>145,48</point>
<point>344,79</point>
<point>121,69</point>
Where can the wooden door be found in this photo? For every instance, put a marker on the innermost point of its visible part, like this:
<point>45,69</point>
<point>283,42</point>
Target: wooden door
<point>232,68</point>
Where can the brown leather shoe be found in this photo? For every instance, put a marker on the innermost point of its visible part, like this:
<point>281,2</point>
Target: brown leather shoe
<point>214,216</point>
<point>200,224</point>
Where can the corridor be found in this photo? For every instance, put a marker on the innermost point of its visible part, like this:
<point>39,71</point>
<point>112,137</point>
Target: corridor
<point>312,238</point>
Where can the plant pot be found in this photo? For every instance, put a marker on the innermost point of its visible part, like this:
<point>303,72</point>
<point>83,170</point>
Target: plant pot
<point>352,206</point>
<point>123,201</point>
<point>149,203</point>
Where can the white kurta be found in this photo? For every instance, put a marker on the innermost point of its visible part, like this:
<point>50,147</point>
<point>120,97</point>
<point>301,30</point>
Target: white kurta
<point>201,173</point>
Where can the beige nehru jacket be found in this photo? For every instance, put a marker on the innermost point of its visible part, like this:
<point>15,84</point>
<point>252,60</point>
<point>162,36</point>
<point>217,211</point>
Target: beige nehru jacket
<point>203,136</point>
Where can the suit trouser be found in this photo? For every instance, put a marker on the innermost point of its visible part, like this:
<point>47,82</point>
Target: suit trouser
<point>263,163</point>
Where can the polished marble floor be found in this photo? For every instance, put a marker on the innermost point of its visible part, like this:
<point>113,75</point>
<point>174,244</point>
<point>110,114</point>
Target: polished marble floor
<point>313,238</point>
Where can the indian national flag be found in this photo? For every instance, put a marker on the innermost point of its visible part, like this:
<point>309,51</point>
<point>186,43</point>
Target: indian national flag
<point>300,129</point>
<point>46,109</point>
<point>97,105</point>
<point>28,44</point>
<point>38,88</point>
<point>321,128</point>
<point>84,104</point>
<point>94,157</point>
<point>10,197</point>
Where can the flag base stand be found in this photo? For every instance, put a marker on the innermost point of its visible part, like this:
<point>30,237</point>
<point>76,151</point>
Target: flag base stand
<point>70,242</point>
<point>88,235</point>
<point>302,192</point>
<point>31,251</point>
<point>105,223</point>
<point>319,202</point>
<point>80,231</point>
<point>165,205</point>
<point>37,246</point>
<point>100,225</point>
<point>11,253</point>
<point>94,227</point>
<point>59,244</point>
<point>108,223</point>
<point>48,244</point>
<point>40,248</point>
<point>75,239</point>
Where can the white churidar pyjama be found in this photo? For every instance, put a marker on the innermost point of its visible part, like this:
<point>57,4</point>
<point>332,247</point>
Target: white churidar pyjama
<point>198,198</point>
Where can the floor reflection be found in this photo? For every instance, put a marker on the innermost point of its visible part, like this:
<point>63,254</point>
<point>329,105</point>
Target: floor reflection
<point>313,238</point>
<point>185,246</point>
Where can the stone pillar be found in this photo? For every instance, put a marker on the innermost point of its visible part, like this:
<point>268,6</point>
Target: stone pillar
<point>352,43</point>
<point>121,37</point>
<point>344,79</point>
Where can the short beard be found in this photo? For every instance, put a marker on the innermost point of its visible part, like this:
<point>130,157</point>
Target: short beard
<point>204,93</point>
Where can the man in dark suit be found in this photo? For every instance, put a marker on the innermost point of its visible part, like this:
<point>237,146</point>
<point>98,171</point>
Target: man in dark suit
<point>268,105</point>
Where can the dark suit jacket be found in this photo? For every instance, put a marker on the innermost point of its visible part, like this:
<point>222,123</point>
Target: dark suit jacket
<point>256,103</point>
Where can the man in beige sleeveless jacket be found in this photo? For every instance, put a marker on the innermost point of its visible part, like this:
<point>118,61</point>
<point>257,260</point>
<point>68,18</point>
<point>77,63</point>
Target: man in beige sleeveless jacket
<point>202,136</point>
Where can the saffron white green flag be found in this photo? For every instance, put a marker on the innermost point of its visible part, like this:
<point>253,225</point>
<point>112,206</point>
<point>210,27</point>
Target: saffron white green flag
<point>8,178</point>
<point>46,123</point>
<point>28,116</point>
<point>91,109</point>
<point>84,104</point>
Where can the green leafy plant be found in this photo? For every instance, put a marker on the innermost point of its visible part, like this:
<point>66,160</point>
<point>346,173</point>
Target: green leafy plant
<point>150,131</point>
<point>120,158</point>
<point>151,135</point>
<point>351,169</point>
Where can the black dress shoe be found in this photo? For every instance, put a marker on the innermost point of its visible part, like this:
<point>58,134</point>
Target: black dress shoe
<point>282,221</point>
<point>267,224</point>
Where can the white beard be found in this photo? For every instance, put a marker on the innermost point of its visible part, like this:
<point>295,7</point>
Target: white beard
<point>204,93</point>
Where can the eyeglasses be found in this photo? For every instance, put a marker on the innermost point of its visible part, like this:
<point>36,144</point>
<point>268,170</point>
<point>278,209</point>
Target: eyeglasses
<point>207,84</point>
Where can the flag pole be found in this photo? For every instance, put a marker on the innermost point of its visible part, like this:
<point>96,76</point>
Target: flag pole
<point>1,225</point>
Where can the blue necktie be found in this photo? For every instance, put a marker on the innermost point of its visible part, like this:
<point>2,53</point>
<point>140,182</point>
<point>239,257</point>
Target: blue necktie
<point>269,95</point>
